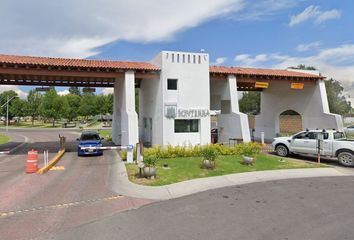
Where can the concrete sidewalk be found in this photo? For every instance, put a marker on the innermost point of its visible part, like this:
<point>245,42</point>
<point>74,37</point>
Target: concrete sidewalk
<point>119,182</point>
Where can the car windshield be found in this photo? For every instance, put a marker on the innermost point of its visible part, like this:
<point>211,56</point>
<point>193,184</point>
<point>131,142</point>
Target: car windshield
<point>89,136</point>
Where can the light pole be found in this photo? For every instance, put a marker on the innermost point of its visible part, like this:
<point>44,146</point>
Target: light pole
<point>7,111</point>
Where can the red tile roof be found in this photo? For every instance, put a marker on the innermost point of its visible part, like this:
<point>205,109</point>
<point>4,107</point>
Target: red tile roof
<point>80,63</point>
<point>261,72</point>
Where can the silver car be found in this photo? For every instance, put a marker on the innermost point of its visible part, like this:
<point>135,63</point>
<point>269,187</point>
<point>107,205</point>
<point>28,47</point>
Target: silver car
<point>349,131</point>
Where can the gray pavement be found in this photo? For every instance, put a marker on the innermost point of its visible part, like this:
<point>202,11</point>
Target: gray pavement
<point>120,183</point>
<point>33,205</point>
<point>313,208</point>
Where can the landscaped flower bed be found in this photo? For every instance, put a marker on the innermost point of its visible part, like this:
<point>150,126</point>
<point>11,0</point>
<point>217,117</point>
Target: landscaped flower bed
<point>172,170</point>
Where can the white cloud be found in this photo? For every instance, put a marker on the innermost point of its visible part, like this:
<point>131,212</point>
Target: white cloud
<point>328,15</point>
<point>219,61</point>
<point>19,92</point>
<point>337,63</point>
<point>314,13</point>
<point>64,92</point>
<point>77,28</point>
<point>106,91</point>
<point>248,60</point>
<point>308,46</point>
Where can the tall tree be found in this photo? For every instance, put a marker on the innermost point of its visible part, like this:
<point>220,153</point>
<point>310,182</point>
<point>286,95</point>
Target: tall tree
<point>34,101</point>
<point>51,106</point>
<point>250,102</point>
<point>19,108</point>
<point>73,106</point>
<point>7,95</point>
<point>88,107</point>
<point>75,90</point>
<point>336,101</point>
<point>303,67</point>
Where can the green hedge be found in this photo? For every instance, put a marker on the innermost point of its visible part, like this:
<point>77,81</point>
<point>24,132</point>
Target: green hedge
<point>249,149</point>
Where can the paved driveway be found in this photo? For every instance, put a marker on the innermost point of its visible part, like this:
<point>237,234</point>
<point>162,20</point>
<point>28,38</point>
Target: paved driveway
<point>317,208</point>
<point>33,206</point>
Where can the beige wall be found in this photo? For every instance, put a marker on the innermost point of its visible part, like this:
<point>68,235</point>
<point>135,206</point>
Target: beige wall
<point>288,123</point>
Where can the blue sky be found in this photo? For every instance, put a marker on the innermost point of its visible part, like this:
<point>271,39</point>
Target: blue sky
<point>257,33</point>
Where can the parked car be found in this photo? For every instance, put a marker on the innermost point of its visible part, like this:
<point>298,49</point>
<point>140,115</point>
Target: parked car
<point>335,144</point>
<point>92,140</point>
<point>349,130</point>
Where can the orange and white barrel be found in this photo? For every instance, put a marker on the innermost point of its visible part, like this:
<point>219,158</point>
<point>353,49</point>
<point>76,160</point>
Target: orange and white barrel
<point>32,161</point>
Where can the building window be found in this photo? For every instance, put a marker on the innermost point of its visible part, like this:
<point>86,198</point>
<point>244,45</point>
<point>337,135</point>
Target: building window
<point>172,84</point>
<point>186,125</point>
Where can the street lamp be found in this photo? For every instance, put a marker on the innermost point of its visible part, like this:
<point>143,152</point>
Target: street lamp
<point>7,111</point>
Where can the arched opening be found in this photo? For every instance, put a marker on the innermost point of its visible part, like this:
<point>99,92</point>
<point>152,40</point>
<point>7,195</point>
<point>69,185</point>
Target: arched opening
<point>290,122</point>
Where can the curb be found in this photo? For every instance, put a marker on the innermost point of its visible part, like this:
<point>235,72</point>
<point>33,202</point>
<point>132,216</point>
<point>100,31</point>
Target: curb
<point>120,184</point>
<point>52,162</point>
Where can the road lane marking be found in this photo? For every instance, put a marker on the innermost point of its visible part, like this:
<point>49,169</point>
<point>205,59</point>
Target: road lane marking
<point>59,206</point>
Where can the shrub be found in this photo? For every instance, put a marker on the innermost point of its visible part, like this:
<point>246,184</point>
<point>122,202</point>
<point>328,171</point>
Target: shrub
<point>248,149</point>
<point>150,161</point>
<point>209,153</point>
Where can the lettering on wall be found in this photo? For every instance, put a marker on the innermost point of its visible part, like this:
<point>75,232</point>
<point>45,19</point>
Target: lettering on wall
<point>172,112</point>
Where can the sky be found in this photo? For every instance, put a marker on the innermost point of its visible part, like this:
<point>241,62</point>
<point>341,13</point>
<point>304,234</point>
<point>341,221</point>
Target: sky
<point>245,33</point>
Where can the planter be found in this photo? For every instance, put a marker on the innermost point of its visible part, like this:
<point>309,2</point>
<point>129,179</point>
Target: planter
<point>208,164</point>
<point>149,172</point>
<point>248,160</point>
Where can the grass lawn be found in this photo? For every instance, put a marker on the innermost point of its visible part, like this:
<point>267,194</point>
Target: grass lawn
<point>4,138</point>
<point>107,134</point>
<point>181,169</point>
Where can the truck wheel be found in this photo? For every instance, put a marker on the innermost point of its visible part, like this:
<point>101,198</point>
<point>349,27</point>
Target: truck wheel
<point>346,159</point>
<point>282,150</point>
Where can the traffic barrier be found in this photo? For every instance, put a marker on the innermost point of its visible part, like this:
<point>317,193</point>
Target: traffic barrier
<point>32,161</point>
<point>52,162</point>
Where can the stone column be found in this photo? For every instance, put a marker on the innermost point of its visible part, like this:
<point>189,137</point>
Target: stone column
<point>125,118</point>
<point>231,122</point>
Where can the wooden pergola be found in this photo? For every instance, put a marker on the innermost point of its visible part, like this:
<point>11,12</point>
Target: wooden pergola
<point>44,71</point>
<point>40,71</point>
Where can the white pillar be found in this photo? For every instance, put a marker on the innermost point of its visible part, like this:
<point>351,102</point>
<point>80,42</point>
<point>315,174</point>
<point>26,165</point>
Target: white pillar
<point>231,122</point>
<point>125,118</point>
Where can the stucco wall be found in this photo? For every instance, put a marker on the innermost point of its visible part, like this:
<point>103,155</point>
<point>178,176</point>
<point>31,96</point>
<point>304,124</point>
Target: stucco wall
<point>311,103</point>
<point>192,72</point>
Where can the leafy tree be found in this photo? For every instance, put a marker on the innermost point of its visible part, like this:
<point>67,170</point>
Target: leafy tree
<point>337,102</point>
<point>19,108</point>
<point>73,105</point>
<point>109,103</point>
<point>250,102</point>
<point>7,95</point>
<point>75,90</point>
<point>51,106</point>
<point>88,106</point>
<point>303,67</point>
<point>34,101</point>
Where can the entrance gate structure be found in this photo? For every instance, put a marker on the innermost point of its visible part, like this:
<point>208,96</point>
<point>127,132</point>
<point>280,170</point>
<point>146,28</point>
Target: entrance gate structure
<point>185,85</point>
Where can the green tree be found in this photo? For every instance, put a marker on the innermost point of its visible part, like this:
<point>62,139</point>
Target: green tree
<point>75,90</point>
<point>34,101</point>
<point>336,101</point>
<point>51,106</point>
<point>3,99</point>
<point>19,108</point>
<point>73,105</point>
<point>109,103</point>
<point>88,106</point>
<point>250,102</point>
<point>303,67</point>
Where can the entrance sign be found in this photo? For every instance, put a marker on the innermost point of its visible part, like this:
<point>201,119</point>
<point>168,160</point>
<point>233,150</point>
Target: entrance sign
<point>171,112</point>
<point>261,85</point>
<point>297,85</point>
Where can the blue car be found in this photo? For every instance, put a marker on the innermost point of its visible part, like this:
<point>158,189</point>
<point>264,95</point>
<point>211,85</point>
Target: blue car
<point>89,139</point>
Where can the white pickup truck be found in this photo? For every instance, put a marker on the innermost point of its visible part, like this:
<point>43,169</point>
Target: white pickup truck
<point>334,144</point>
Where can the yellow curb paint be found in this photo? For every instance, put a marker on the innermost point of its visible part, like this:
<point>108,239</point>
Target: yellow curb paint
<point>52,162</point>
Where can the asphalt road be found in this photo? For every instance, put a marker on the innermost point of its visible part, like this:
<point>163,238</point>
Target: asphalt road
<point>36,206</point>
<point>317,208</point>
